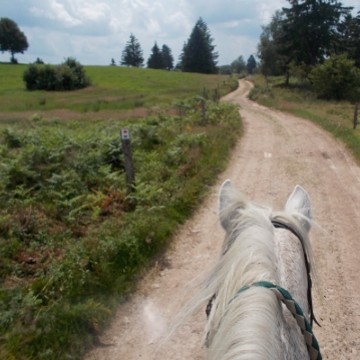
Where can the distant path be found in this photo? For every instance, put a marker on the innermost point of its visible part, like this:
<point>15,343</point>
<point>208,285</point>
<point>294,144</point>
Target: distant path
<point>277,152</point>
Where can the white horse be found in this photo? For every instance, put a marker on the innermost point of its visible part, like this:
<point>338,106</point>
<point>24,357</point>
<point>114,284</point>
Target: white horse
<point>264,253</point>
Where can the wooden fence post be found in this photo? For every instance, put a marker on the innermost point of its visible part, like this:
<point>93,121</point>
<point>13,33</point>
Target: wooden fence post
<point>128,161</point>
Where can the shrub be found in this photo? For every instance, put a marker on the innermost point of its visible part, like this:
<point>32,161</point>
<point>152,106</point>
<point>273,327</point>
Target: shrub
<point>47,78</point>
<point>68,76</point>
<point>80,79</point>
<point>31,76</point>
<point>337,78</point>
<point>11,139</point>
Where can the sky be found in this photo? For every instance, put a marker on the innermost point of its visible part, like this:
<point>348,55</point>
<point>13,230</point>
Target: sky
<point>96,31</point>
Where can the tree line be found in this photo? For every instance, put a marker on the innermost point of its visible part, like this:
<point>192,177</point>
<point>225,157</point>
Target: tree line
<point>317,41</point>
<point>198,52</point>
<point>132,55</point>
<point>310,39</point>
<point>198,55</point>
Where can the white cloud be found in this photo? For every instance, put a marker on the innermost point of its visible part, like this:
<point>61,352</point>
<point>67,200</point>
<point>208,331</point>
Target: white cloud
<point>97,30</point>
<point>55,11</point>
<point>267,9</point>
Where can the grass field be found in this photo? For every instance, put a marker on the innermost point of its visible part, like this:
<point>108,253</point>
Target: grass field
<point>113,88</point>
<point>72,238</point>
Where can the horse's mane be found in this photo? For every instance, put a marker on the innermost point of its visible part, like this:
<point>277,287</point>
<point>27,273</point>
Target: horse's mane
<point>248,256</point>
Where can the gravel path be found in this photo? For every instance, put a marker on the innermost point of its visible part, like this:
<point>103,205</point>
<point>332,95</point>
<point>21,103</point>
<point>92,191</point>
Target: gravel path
<point>277,152</point>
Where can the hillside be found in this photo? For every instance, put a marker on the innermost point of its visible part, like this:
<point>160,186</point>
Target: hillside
<point>113,91</point>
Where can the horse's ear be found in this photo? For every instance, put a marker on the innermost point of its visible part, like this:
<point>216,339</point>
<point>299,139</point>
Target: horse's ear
<point>224,195</point>
<point>299,201</point>
<point>227,196</point>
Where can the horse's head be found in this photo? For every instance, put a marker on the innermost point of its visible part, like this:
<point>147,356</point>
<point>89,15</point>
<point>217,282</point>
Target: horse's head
<point>233,205</point>
<point>265,259</point>
<point>261,246</point>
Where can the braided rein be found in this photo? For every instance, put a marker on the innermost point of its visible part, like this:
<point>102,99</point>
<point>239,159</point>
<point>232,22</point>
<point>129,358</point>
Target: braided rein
<point>285,297</point>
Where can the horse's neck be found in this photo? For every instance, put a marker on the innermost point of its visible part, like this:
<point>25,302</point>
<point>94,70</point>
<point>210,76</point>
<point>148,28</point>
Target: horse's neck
<point>291,266</point>
<point>249,328</point>
<point>292,276</point>
<point>254,321</point>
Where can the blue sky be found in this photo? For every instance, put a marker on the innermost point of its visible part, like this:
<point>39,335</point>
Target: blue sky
<point>95,31</point>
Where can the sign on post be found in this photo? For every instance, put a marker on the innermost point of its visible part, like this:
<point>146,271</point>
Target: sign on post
<point>125,134</point>
<point>128,161</point>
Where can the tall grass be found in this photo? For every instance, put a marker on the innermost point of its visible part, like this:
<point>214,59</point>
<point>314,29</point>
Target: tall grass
<point>72,240</point>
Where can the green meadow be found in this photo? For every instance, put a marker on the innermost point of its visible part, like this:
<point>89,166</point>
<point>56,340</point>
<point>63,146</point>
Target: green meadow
<point>73,239</point>
<point>113,88</point>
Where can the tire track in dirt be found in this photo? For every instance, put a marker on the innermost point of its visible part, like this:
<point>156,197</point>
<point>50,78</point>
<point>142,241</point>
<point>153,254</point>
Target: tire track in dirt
<point>277,152</point>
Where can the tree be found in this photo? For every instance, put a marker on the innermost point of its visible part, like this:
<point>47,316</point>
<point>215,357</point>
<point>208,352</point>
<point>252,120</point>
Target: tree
<point>251,64</point>
<point>349,35</point>
<point>225,70</point>
<point>198,53</point>
<point>309,30</point>
<point>269,48</point>
<point>12,38</point>
<point>301,36</point>
<point>168,59</point>
<point>39,61</point>
<point>155,60</point>
<point>132,54</point>
<point>238,65</point>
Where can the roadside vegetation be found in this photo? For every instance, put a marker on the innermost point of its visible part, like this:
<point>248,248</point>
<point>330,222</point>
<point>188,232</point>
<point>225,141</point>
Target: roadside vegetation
<point>301,100</point>
<point>72,239</point>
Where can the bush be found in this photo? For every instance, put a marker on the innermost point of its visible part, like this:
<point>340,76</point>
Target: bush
<point>337,78</point>
<point>68,76</point>
<point>31,76</point>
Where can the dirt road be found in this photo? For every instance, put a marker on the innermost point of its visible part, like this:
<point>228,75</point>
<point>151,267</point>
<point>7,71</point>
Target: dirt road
<point>277,152</point>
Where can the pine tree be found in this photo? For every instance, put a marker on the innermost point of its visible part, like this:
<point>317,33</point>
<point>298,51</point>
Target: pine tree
<point>251,65</point>
<point>198,52</point>
<point>155,60</point>
<point>132,54</point>
<point>168,59</point>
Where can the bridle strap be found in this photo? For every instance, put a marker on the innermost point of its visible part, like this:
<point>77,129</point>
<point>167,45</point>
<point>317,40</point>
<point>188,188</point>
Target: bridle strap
<point>280,225</point>
<point>285,297</point>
